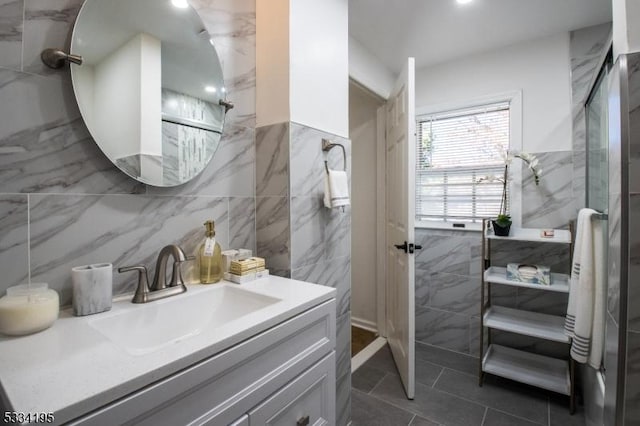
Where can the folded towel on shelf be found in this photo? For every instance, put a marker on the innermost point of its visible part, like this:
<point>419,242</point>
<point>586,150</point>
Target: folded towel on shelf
<point>336,189</point>
<point>587,295</point>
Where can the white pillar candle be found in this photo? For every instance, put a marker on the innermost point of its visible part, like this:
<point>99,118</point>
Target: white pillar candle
<point>27,309</point>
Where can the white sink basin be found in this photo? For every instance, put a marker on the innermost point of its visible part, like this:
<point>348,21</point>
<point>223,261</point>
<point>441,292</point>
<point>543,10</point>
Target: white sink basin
<point>141,329</point>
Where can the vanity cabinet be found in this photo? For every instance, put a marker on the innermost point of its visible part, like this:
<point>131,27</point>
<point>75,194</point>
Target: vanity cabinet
<point>282,376</point>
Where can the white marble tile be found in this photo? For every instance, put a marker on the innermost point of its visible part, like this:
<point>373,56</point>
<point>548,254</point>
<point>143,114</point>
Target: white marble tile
<point>422,287</point>
<point>504,295</point>
<point>73,230</point>
<point>229,174</point>
<point>579,127</point>
<point>343,344</point>
<point>455,293</point>
<point>273,233</point>
<point>585,47</point>
<point>242,223</point>
<point>474,336</point>
<point>334,273</point>
<point>47,24</point>
<point>307,231</point>
<point>232,26</point>
<point>550,204</point>
<point>578,182</point>
<point>589,41</point>
<point>444,329</point>
<point>44,144</point>
<point>343,369</point>
<point>343,400</point>
<point>11,33</point>
<point>337,232</point>
<point>444,253</point>
<point>556,256</point>
<point>272,160</point>
<point>307,159</point>
<point>14,255</point>
<point>546,302</point>
<point>529,344</point>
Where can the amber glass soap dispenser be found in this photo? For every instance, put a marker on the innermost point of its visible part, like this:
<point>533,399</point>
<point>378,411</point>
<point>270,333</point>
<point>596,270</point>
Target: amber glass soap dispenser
<point>210,256</point>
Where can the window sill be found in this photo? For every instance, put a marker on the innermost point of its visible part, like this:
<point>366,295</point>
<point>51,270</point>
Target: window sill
<point>469,227</point>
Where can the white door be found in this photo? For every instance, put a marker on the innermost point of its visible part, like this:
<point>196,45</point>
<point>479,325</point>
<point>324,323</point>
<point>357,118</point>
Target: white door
<point>400,207</point>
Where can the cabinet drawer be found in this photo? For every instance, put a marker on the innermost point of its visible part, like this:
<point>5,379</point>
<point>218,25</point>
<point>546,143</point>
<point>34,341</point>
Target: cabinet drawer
<point>222,388</point>
<point>308,400</point>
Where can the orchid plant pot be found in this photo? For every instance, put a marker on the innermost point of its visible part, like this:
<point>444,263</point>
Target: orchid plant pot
<point>501,230</point>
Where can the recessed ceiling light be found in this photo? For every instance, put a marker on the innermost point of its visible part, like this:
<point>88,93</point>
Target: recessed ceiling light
<point>464,1</point>
<point>180,4</point>
<point>210,89</point>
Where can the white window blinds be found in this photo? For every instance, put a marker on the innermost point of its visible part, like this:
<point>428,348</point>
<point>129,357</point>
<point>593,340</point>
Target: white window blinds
<point>454,151</point>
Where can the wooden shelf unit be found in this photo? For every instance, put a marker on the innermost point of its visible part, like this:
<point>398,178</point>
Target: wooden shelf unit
<point>553,374</point>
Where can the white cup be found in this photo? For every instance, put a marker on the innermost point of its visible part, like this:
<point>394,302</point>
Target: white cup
<point>92,288</point>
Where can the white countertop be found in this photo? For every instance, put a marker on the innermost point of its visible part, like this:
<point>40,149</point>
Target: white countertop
<point>71,368</point>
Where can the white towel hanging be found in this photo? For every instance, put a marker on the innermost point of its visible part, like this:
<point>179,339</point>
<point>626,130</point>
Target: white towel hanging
<point>586,308</point>
<point>336,189</point>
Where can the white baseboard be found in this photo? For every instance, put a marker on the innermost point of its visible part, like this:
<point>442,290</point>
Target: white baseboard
<point>364,355</point>
<point>364,324</point>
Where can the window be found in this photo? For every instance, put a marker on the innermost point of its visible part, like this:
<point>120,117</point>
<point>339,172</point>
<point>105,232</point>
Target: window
<point>455,150</point>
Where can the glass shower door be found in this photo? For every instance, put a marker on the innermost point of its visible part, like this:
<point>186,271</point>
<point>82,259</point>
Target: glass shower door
<point>597,150</point>
<point>597,161</point>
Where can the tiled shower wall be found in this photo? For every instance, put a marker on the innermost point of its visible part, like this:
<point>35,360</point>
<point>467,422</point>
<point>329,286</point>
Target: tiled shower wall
<point>631,203</point>
<point>62,202</point>
<point>298,236</point>
<point>448,267</point>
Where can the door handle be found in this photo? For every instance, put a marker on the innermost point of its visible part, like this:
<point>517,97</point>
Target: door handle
<point>402,247</point>
<point>408,248</point>
<point>303,421</point>
<point>414,247</point>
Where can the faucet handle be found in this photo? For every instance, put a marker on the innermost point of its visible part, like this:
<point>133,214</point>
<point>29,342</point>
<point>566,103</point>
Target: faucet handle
<point>176,276</point>
<point>142,291</point>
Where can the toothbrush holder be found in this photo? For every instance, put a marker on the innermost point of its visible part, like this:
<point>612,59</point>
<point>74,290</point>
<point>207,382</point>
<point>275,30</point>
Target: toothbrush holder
<point>92,288</point>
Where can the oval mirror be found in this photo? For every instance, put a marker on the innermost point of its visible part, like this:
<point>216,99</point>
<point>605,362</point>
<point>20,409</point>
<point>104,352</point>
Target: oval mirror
<point>149,87</point>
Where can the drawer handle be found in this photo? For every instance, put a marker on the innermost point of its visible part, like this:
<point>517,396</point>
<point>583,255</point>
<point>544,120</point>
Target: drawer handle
<point>303,421</point>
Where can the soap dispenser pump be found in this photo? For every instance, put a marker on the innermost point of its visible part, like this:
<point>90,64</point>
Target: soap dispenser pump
<point>210,256</point>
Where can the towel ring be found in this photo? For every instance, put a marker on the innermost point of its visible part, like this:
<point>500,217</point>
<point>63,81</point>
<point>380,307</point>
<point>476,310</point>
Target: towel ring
<point>326,147</point>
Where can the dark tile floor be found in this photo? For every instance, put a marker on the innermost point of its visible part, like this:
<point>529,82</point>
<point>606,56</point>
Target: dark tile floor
<point>447,393</point>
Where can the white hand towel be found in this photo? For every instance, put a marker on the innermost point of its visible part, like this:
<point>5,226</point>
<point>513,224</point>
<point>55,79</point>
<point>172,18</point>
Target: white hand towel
<point>336,189</point>
<point>585,311</point>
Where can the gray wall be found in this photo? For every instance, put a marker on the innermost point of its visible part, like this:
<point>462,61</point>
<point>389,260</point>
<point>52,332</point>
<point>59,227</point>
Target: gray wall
<point>449,266</point>
<point>297,235</point>
<point>63,204</point>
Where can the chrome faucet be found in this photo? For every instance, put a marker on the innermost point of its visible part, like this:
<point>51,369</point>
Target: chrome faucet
<point>159,289</point>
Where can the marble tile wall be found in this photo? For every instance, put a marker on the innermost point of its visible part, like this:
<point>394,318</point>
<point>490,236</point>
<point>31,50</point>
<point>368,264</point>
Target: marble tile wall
<point>449,266</point>
<point>448,280</point>
<point>297,235</point>
<point>63,203</point>
<point>585,48</point>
